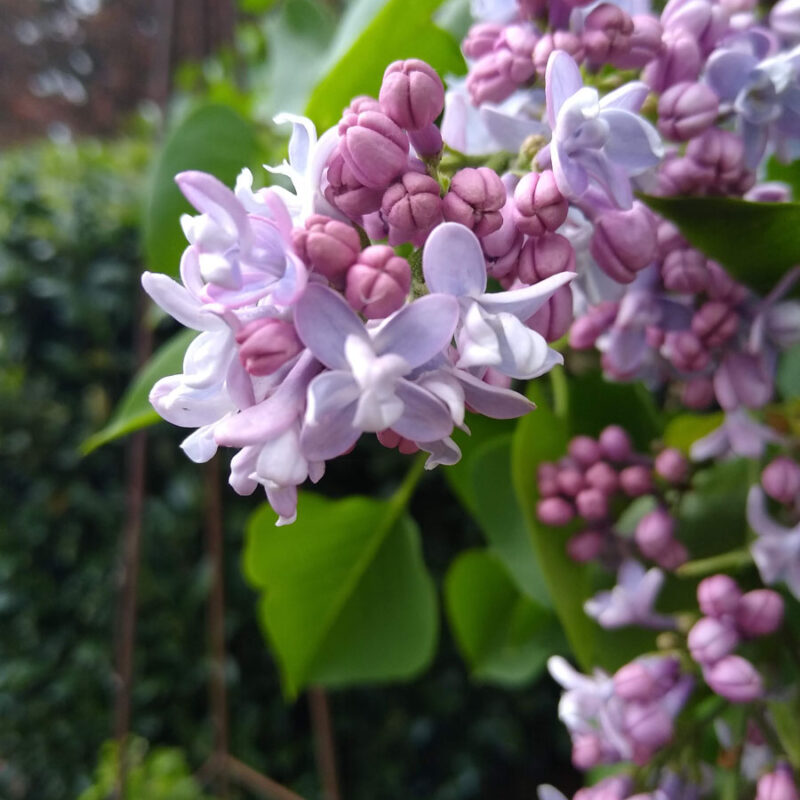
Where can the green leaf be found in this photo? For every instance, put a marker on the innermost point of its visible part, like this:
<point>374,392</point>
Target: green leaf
<point>345,595</point>
<point>134,410</point>
<point>212,138</point>
<point>503,636</point>
<point>498,513</point>
<point>683,431</point>
<point>785,715</point>
<point>788,377</point>
<point>756,242</point>
<point>400,30</point>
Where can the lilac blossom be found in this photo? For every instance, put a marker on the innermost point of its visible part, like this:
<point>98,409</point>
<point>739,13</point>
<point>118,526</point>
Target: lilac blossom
<point>738,435</point>
<point>631,601</point>
<point>492,330</point>
<point>600,140</point>
<point>776,549</point>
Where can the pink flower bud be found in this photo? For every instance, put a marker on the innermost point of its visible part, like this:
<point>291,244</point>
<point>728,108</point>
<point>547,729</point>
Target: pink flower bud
<point>556,40</point>
<point>474,199</point>
<point>770,192</point>
<point>781,480</point>
<point>607,33</point>
<point>672,465</point>
<point>602,476</point>
<point>481,39</point>
<point>547,480</point>
<point>586,545</point>
<point>759,612</point>
<point>267,344</point>
<point>698,393</point>
<point>328,246</point>
<point>554,511</point>
<point>720,154</point>
<point>412,206</point>
<point>721,286</point>
<point>346,192</point>
<point>615,444</point>
<point>584,450</point>
<point>592,504</point>
<point>686,109</point>
<point>412,93</point>
<point>624,242</point>
<point>587,750</point>
<point>680,60</point>
<point>374,147</point>
<point>655,532</point>
<point>510,64</point>
<point>378,283</point>
<point>427,141</point>
<point>362,102</point>
<point>669,238</point>
<point>570,481</point>
<point>553,319</point>
<point>645,44</point>
<point>648,724</point>
<point>718,596</point>
<point>544,256</point>
<point>636,480</point>
<point>539,206</point>
<point>502,247</point>
<point>684,271</point>
<point>635,682</point>
<point>715,322</point>
<point>586,329</point>
<point>735,679</point>
<point>672,556</point>
<point>710,639</point>
<point>685,351</point>
<point>784,19</point>
<point>679,175</point>
<point>777,785</point>
<point>392,440</point>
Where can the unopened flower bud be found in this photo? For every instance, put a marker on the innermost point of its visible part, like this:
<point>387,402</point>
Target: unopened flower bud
<point>669,238</point>
<point>721,286</point>
<point>672,556</point>
<point>412,206</point>
<point>544,256</point>
<point>607,33</point>
<point>507,66</point>
<point>556,40</point>
<point>570,481</point>
<point>735,679</point>
<point>374,147</point>
<point>427,141</point>
<point>362,102</point>
<point>698,393</point>
<point>584,449</point>
<point>412,93</point>
<point>721,154</point>
<point>680,60</point>
<point>481,39</point>
<point>592,504</point>
<point>672,465</point>
<point>770,192</point>
<point>602,476</point>
<point>474,199</point>
<point>502,247</point>
<point>686,109</point>
<point>586,329</point>
<point>391,439</point>
<point>615,444</point>
<point>547,479</point>
<point>648,724</point>
<point>346,192</point>
<point>554,511</point>
<point>777,785</point>
<point>328,246</point>
<point>645,43</point>
<point>710,639</point>
<point>636,480</point>
<point>624,242</point>
<point>553,319</point>
<point>378,283</point>
<point>718,596</point>
<point>781,480</point>
<point>759,612</point>
<point>539,206</point>
<point>655,532</point>
<point>715,322</point>
<point>587,750</point>
<point>684,271</point>
<point>685,351</point>
<point>267,344</point>
<point>586,545</point>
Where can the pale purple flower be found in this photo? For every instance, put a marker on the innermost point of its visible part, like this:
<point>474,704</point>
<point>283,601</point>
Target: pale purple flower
<point>738,435</point>
<point>492,330</point>
<point>597,140</point>
<point>776,550</point>
<point>631,601</point>
<point>366,388</point>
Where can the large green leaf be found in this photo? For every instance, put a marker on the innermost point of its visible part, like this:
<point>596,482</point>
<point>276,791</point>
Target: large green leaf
<point>756,242</point>
<point>504,636</point>
<point>134,410</point>
<point>400,30</point>
<point>212,138</point>
<point>788,377</point>
<point>345,595</point>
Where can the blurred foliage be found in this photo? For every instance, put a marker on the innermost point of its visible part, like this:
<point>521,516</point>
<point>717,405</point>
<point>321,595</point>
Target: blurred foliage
<point>70,261</point>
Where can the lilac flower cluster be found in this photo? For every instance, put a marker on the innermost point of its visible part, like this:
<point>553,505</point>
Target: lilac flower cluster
<point>594,484</point>
<point>311,335</point>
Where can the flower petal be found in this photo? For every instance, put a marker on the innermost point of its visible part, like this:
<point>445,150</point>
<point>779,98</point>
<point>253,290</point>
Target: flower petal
<point>561,80</point>
<point>524,303</point>
<point>492,401</point>
<point>179,303</point>
<point>633,143</point>
<point>628,97</point>
<point>329,430</point>
<point>425,418</point>
<point>453,262</point>
<point>727,71</point>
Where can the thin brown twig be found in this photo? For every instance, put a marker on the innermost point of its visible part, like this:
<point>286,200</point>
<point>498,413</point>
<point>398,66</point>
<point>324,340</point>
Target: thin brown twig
<point>324,747</point>
<point>256,781</point>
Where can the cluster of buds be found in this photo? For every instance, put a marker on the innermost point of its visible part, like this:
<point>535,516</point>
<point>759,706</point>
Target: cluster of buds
<point>730,617</point>
<point>596,481</point>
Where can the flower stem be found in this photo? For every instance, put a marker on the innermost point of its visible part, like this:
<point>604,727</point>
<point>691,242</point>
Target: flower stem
<point>735,559</point>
